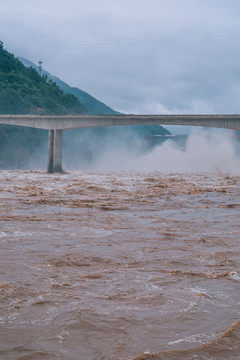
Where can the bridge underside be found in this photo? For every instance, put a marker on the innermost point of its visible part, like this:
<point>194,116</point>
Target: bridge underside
<point>57,123</point>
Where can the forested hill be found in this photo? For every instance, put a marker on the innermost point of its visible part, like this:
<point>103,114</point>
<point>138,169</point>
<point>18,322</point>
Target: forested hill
<point>90,103</point>
<point>24,91</point>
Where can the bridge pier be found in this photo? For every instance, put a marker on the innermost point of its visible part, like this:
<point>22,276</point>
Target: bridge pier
<point>54,151</point>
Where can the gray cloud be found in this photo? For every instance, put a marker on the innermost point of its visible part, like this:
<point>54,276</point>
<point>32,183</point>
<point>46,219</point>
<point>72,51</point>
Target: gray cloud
<point>137,56</point>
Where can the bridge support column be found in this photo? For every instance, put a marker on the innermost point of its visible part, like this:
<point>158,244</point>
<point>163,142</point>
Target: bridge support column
<point>54,151</point>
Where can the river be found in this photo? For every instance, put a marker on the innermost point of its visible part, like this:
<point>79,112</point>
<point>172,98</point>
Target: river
<point>119,265</point>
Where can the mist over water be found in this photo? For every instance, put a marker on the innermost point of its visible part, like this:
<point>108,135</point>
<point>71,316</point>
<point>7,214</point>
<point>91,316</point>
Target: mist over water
<point>205,151</point>
<point>202,151</point>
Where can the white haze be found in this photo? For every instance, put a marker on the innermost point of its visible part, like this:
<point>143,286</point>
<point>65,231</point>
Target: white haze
<point>204,152</point>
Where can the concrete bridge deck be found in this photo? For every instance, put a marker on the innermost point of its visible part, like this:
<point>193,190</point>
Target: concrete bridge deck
<point>55,124</point>
<point>67,122</point>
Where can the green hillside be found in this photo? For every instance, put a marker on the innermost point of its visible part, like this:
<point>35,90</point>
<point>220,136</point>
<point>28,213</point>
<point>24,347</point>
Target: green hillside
<point>24,91</point>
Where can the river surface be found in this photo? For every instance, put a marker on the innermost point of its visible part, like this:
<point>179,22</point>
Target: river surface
<point>123,266</point>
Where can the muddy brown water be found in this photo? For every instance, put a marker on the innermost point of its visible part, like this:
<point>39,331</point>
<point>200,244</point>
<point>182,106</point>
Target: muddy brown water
<point>119,266</point>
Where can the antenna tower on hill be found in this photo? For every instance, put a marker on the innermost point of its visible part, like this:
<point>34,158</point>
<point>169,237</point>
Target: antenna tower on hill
<point>40,67</point>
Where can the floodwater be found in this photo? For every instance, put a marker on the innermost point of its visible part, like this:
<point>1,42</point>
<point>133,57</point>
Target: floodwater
<point>119,266</point>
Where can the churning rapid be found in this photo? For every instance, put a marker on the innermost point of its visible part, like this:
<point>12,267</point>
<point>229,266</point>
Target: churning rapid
<point>119,266</point>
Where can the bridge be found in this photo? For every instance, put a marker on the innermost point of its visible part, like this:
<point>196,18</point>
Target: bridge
<point>55,124</point>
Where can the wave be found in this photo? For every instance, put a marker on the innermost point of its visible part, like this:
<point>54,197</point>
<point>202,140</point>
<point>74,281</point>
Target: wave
<point>226,346</point>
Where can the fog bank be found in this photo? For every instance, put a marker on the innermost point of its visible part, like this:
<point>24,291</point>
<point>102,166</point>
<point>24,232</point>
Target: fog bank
<point>204,152</point>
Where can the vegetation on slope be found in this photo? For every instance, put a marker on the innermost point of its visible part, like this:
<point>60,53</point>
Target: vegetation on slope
<point>24,91</point>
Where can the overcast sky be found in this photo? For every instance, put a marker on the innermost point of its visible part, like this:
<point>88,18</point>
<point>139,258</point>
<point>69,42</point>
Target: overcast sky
<point>137,56</point>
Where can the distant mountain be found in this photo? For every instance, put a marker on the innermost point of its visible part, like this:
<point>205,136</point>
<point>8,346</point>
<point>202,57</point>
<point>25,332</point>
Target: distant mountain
<point>24,91</point>
<point>91,105</point>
